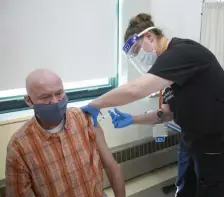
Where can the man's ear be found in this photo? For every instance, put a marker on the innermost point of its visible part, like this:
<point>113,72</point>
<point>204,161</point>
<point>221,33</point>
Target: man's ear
<point>28,101</point>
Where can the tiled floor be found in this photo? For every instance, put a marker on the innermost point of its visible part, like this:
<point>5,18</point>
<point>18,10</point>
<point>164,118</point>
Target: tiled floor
<point>155,192</point>
<point>150,184</point>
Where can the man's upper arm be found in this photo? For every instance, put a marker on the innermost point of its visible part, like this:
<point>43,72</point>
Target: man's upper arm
<point>18,183</point>
<point>105,154</point>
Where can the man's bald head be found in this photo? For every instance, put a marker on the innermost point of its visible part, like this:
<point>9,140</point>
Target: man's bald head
<point>40,77</point>
<point>44,86</point>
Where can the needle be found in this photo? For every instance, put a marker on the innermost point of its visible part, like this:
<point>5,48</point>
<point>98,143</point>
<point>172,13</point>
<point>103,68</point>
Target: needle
<point>103,117</point>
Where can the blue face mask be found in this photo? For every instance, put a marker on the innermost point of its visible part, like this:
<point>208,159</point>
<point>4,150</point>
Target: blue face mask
<point>51,112</point>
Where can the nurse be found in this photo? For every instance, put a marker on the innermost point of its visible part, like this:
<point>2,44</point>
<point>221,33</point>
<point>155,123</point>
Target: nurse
<point>196,81</point>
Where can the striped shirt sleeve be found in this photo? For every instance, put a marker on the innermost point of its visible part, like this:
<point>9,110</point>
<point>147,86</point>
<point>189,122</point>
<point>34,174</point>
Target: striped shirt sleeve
<point>18,183</point>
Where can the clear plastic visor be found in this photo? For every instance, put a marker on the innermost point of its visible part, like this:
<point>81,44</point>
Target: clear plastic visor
<point>138,57</point>
<point>133,50</point>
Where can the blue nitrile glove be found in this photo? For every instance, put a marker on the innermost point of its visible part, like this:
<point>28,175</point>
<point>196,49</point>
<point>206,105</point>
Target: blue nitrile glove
<point>120,119</point>
<point>92,111</point>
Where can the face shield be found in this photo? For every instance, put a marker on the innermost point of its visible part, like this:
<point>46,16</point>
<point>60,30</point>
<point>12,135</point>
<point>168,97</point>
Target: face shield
<point>133,49</point>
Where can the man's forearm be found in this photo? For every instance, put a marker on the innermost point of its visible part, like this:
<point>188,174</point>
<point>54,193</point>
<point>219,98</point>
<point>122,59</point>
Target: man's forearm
<point>117,181</point>
<point>151,118</point>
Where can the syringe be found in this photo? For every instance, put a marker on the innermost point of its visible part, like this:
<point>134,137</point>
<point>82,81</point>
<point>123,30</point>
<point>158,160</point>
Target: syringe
<point>103,117</point>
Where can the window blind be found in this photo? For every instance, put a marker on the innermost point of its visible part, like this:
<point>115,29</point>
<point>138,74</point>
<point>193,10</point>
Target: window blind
<point>76,39</point>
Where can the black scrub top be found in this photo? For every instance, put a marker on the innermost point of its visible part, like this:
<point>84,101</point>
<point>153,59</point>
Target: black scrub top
<point>196,97</point>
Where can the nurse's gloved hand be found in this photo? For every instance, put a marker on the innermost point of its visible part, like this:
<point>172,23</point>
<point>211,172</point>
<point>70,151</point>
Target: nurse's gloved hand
<point>92,111</point>
<point>120,119</point>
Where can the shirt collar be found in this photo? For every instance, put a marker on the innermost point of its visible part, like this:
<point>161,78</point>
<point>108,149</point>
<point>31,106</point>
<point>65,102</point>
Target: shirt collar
<point>43,134</point>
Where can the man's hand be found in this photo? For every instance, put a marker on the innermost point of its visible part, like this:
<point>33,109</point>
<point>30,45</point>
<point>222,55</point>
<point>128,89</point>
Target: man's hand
<point>111,167</point>
<point>120,119</point>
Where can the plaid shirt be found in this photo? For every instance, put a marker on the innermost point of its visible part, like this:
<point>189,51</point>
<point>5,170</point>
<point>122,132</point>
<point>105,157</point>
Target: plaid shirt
<point>65,164</point>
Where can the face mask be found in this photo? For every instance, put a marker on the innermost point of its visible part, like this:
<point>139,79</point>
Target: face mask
<point>52,112</point>
<point>147,58</point>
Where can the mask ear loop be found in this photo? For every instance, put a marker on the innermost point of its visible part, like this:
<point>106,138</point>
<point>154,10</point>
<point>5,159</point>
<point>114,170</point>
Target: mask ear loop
<point>28,97</point>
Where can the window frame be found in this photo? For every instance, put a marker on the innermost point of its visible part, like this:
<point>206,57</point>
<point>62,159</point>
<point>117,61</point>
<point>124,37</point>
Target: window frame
<point>17,103</point>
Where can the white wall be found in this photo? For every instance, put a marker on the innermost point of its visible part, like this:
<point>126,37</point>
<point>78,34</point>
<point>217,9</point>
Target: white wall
<point>179,18</point>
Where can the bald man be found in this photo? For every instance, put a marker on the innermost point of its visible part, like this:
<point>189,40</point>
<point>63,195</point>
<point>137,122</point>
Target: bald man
<point>58,153</point>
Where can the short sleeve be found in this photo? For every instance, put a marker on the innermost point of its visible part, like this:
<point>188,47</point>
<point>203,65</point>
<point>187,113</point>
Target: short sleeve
<point>18,182</point>
<point>83,117</point>
<point>84,123</point>
<point>179,64</point>
<point>164,102</point>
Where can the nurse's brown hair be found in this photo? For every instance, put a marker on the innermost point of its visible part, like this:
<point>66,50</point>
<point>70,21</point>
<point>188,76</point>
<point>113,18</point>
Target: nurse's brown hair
<point>139,23</point>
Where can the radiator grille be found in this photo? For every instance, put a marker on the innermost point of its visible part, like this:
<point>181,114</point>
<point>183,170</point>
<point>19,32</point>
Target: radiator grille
<point>145,148</point>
